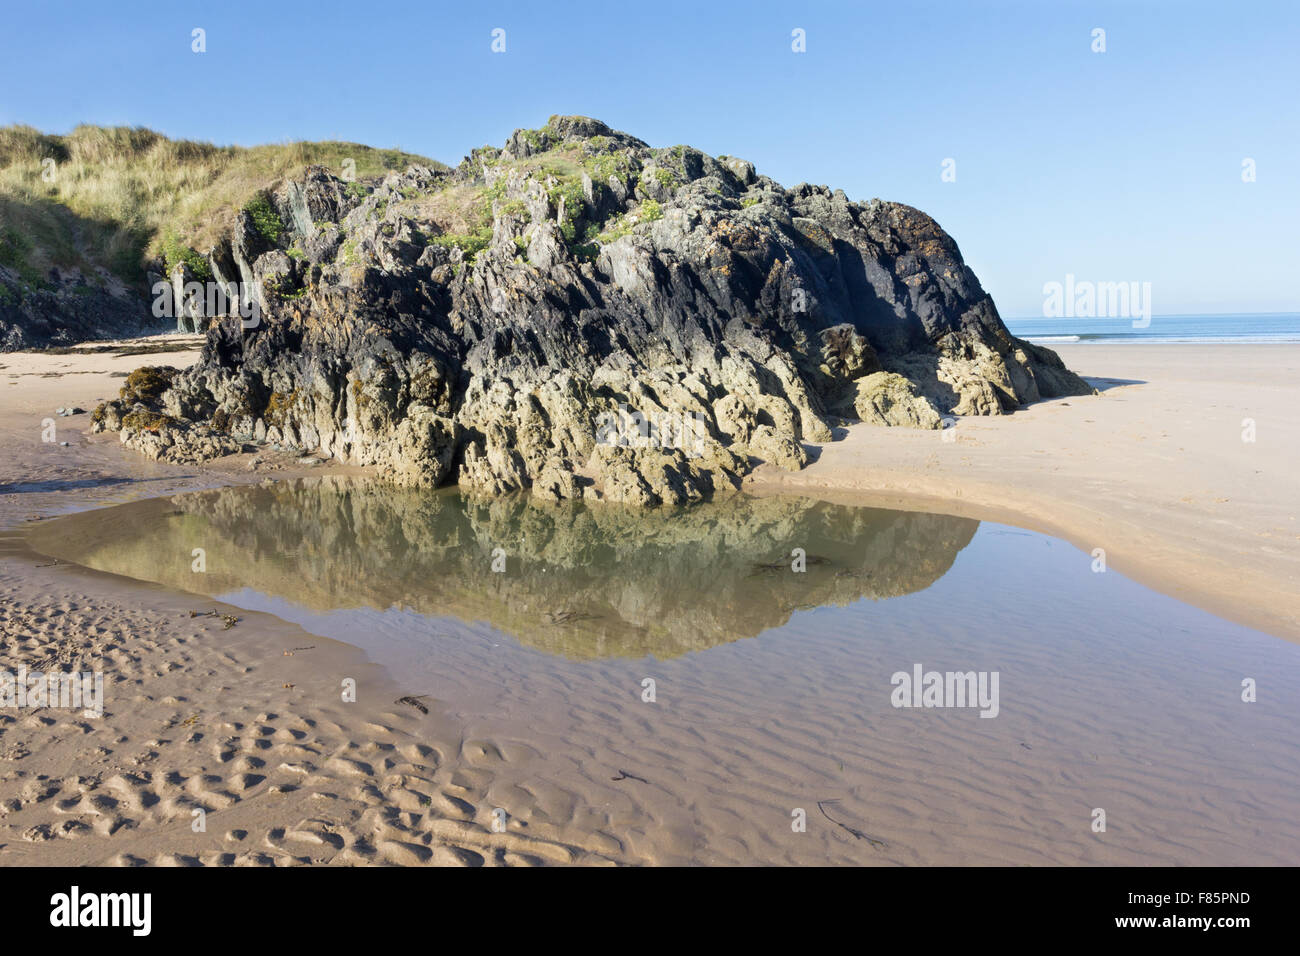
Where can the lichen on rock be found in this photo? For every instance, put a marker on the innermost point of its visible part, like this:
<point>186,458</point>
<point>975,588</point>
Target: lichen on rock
<point>887,398</point>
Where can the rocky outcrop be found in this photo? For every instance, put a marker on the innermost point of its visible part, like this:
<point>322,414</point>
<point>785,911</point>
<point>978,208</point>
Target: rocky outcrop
<point>887,398</point>
<point>584,316</point>
<point>61,308</point>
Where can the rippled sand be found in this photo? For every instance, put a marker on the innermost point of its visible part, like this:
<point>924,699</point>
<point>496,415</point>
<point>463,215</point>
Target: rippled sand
<point>772,688</point>
<point>771,695</point>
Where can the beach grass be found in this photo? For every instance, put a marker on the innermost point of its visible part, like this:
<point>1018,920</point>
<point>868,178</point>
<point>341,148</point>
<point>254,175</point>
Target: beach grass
<point>115,197</point>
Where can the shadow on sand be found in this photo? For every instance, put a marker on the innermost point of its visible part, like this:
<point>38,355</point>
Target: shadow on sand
<point>1105,384</point>
<point>74,484</point>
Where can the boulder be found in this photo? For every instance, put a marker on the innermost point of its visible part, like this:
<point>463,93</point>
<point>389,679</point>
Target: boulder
<point>887,398</point>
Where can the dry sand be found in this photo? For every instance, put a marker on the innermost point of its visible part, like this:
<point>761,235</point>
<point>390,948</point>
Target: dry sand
<point>1153,469</point>
<point>248,721</point>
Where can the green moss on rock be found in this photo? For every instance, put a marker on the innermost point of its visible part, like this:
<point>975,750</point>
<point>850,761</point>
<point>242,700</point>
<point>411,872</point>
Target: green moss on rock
<point>146,384</point>
<point>147,421</point>
<point>278,407</point>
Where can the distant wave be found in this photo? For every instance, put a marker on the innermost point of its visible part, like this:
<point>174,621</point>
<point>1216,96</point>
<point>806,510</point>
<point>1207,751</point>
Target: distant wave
<point>1172,339</point>
<point>1271,329</point>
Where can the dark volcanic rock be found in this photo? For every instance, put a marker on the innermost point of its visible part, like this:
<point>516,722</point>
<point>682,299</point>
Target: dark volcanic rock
<point>63,311</point>
<point>583,315</point>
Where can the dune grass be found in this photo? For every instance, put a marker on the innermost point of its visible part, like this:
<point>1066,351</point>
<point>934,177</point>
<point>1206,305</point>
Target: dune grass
<point>119,196</point>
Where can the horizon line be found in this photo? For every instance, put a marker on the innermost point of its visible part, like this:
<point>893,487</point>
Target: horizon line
<point>1155,315</point>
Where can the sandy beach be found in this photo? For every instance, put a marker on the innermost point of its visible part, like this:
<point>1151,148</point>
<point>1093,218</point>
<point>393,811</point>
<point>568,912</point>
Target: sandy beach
<point>1153,469</point>
<point>247,720</point>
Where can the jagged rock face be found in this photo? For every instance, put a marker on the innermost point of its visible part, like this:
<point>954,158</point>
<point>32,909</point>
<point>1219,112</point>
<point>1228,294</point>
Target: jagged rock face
<point>887,398</point>
<point>480,325</point>
<point>65,311</point>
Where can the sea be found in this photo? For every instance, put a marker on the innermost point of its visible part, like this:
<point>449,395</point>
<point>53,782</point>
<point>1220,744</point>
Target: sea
<point>1242,328</point>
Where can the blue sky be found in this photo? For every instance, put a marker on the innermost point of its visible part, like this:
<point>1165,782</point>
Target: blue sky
<point>1116,166</point>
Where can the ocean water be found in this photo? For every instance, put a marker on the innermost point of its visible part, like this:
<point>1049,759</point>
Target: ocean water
<point>1242,328</point>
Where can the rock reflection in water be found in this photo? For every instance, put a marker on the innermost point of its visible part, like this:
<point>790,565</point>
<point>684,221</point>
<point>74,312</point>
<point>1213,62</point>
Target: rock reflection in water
<point>581,581</point>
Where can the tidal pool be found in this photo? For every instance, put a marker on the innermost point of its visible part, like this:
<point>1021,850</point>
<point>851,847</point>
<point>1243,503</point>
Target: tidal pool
<point>670,677</point>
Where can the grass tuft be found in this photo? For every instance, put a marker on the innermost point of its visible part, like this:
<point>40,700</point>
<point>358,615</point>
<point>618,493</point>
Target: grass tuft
<point>115,197</point>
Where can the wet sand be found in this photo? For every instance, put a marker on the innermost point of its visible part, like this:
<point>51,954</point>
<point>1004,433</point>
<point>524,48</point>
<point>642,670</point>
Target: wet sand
<point>248,722</point>
<point>1153,470</point>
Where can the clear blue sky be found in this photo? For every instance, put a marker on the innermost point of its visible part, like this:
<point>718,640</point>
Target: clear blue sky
<point>1123,165</point>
